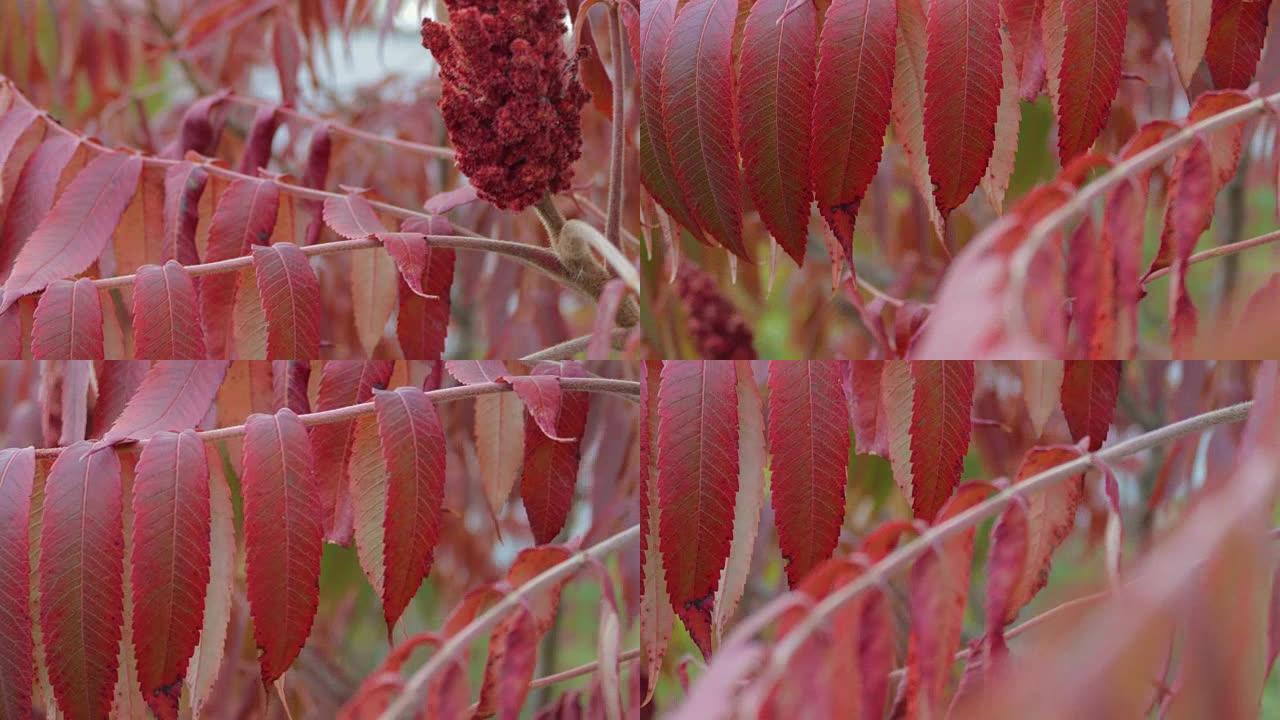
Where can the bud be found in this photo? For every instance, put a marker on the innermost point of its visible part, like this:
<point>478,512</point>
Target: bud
<point>718,330</point>
<point>511,97</point>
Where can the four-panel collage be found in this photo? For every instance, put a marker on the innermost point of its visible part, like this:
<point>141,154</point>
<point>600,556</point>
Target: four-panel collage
<point>639,359</point>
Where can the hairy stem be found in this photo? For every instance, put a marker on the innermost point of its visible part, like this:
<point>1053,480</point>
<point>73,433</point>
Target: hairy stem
<point>551,217</point>
<point>902,557</point>
<point>567,349</point>
<point>613,223</point>
<point>625,388</point>
<point>412,696</point>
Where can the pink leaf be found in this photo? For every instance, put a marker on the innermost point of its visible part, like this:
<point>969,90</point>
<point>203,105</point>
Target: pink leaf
<point>165,314</point>
<point>68,322</point>
<point>174,395</point>
<point>290,295</point>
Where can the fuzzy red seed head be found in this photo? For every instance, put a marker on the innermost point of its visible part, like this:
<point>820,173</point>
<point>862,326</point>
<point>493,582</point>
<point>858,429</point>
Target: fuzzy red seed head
<point>511,97</point>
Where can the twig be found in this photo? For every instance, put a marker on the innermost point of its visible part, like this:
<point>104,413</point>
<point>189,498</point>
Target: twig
<point>583,669</point>
<point>625,388</point>
<point>613,224</point>
<point>569,348</point>
<point>903,556</point>
<point>337,128</point>
<point>1219,251</point>
<point>414,691</point>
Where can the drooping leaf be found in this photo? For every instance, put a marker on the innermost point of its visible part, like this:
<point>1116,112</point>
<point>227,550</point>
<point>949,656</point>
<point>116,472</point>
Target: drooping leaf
<point>1225,144</point>
<point>809,447</point>
<point>929,403</point>
<point>174,395</point>
<point>656,169</point>
<point>245,216</point>
<point>21,131</point>
<point>995,182</point>
<point>342,383</point>
<point>81,570</point>
<point>551,466</point>
<point>697,483</point>
<point>76,230</point>
<point>423,323</point>
<point>851,107</point>
<point>746,507</point>
<point>867,412</point>
<point>138,238</point>
<point>412,255</point>
<point>289,380</point>
<point>1089,390</point>
<point>1090,72</point>
<point>1234,45</point>
<point>413,448</point>
<point>542,398</point>
<point>499,434</point>
<point>1024,22</point>
<point>962,92</point>
<point>166,314</point>
<point>352,217</point>
<point>656,617</point>
<point>1189,23</point>
<point>473,372</point>
<point>374,294</point>
<point>775,103</point>
<point>513,654</point>
<point>1050,517</point>
<point>1042,389</point>
<point>696,91</point>
<point>68,322</point>
<point>1122,240</point>
<point>29,201</point>
<point>184,185</point>
<point>202,671</point>
<point>290,295</point>
<point>283,537</point>
<point>319,149</point>
<point>257,145</point>
<point>17,659</point>
<point>117,382</point>
<point>170,562</point>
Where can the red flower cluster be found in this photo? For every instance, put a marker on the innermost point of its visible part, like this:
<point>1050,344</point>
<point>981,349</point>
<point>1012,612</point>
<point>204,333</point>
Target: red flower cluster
<point>718,330</point>
<point>511,97</point>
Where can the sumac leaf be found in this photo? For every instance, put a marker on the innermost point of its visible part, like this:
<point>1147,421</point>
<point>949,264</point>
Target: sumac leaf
<point>697,483</point>
<point>1090,73</point>
<point>283,537</point>
<point>290,296</point>
<point>77,229</point>
<point>170,562</point>
<point>352,217</point>
<point>697,91</point>
<point>245,216</point>
<point>776,81</point>
<point>166,314</point>
<point>809,446</point>
<point>851,107</point>
<point>17,660</point>
<point>184,184</point>
<point>68,322</point>
<point>1089,390</point>
<point>1189,23</point>
<point>551,466</point>
<point>81,576</point>
<point>1234,46</point>
<point>929,404</point>
<point>174,395</point>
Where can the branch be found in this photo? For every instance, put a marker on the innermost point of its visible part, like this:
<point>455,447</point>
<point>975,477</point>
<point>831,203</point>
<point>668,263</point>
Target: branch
<point>579,671</point>
<point>904,555</point>
<point>414,691</point>
<point>625,388</point>
<point>519,252</point>
<point>569,348</point>
<point>1140,162</point>
<point>613,223</point>
<point>1218,251</point>
<point>431,151</point>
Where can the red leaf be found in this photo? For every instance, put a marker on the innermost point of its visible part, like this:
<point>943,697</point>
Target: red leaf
<point>1023,18</point>
<point>170,562</point>
<point>929,403</point>
<point>962,91</point>
<point>551,466</point>
<point>656,169</point>
<point>541,396</point>
<point>184,184</point>
<point>776,77</point>
<point>286,53</point>
<point>1005,563</point>
<point>174,395</point>
<point>76,231</point>
<point>283,537</point>
<point>17,471</point>
<point>318,151</point>
<point>851,107</point>
<point>1086,273</point>
<point>31,197</point>
<point>473,372</point>
<point>423,322</point>
<point>246,215</point>
<point>655,608</point>
<point>352,217</point>
<point>1189,23</point>
<point>165,314</point>
<point>117,382</point>
<point>68,322</point>
<point>414,452</point>
<point>81,576</point>
<point>289,379</point>
<point>1090,73</point>
<point>697,483</point>
<point>342,383</point>
<point>512,657</point>
<point>290,295</point>
<point>697,91</point>
<point>908,102</point>
<point>1089,390</point>
<point>867,412</point>
<point>1235,41</point>
<point>809,444</point>
<point>1050,517</point>
<point>414,254</point>
<point>1121,236</point>
<point>257,146</point>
